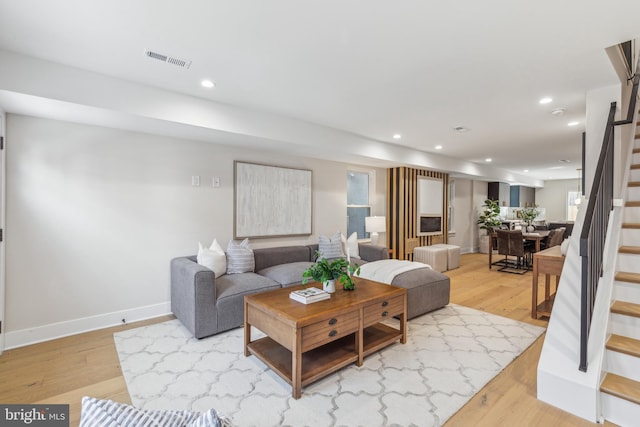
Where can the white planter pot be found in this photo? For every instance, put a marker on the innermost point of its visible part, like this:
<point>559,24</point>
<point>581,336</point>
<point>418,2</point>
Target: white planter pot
<point>484,243</point>
<point>329,286</point>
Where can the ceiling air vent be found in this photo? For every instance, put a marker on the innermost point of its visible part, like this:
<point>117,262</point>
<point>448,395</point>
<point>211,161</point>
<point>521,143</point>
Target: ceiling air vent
<point>184,63</point>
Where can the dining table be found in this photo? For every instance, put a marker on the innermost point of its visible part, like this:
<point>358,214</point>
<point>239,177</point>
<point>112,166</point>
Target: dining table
<point>536,237</point>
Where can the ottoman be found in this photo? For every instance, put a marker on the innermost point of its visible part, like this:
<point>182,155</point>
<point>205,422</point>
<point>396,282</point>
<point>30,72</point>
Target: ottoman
<point>453,255</point>
<point>427,290</point>
<point>435,256</point>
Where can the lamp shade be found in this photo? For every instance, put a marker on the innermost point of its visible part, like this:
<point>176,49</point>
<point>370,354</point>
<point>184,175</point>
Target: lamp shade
<point>375,224</point>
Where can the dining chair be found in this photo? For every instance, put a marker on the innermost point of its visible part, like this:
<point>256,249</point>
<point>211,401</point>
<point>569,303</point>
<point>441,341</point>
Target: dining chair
<point>511,244</point>
<point>555,238</point>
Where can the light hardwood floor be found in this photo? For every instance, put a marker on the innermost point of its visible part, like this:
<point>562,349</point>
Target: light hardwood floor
<point>64,370</point>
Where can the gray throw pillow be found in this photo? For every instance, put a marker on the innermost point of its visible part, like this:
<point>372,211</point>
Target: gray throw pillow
<point>330,247</point>
<point>239,257</point>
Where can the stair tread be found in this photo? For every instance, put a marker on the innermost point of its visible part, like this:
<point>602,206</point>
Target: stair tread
<point>626,308</point>
<point>636,166</point>
<point>624,345</point>
<point>624,276</point>
<point>632,203</point>
<point>629,250</point>
<point>621,387</point>
<point>634,184</point>
<point>631,225</point>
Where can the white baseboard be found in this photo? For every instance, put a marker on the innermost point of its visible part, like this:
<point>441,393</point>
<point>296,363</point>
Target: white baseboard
<point>38,334</point>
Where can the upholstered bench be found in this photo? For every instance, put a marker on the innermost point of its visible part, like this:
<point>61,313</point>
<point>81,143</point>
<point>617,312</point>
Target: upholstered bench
<point>436,257</point>
<point>427,290</point>
<point>453,255</point>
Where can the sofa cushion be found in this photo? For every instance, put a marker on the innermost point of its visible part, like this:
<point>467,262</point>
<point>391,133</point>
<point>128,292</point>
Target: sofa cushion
<point>107,413</point>
<point>239,257</point>
<point>286,274</point>
<point>231,290</point>
<point>267,257</point>
<point>230,285</point>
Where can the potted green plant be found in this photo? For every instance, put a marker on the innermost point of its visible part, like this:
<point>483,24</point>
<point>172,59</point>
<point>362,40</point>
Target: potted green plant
<point>528,215</point>
<point>488,219</point>
<point>490,216</point>
<point>327,273</point>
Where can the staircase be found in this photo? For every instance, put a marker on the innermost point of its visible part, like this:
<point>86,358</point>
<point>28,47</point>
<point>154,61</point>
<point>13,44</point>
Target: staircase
<point>620,389</point>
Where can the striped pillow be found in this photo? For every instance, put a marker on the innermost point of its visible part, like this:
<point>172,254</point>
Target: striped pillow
<point>330,247</point>
<point>239,257</point>
<point>107,413</point>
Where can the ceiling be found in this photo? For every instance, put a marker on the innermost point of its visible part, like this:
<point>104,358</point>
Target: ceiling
<point>371,68</point>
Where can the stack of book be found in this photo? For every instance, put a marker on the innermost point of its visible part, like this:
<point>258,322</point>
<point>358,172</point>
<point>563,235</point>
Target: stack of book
<point>309,295</point>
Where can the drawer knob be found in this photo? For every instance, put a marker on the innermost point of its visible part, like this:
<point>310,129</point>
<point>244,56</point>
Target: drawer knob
<point>333,321</point>
<point>385,313</point>
<point>333,333</point>
<point>385,303</point>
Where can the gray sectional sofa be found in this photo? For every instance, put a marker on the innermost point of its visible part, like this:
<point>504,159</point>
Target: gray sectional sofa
<point>207,306</point>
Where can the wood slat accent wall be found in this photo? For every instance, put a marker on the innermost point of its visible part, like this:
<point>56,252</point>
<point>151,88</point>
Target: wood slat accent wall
<point>402,205</point>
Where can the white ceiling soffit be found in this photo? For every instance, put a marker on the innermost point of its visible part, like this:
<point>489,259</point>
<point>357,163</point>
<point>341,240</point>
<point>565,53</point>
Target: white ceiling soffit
<point>369,69</point>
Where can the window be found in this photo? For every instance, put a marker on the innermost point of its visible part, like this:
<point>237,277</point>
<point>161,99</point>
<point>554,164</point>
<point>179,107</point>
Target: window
<point>573,201</point>
<point>358,207</point>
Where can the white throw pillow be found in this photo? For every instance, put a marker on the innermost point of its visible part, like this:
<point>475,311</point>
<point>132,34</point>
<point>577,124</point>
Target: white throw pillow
<point>350,245</point>
<point>564,247</point>
<point>213,258</point>
<point>330,247</point>
<point>239,257</point>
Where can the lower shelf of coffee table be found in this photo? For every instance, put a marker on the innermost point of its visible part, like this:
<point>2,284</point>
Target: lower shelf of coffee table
<point>322,361</point>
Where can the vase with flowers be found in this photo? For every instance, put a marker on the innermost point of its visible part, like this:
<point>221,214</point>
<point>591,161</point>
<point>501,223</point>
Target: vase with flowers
<point>528,215</point>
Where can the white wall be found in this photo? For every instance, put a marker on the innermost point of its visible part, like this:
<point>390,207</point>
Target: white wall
<point>598,105</point>
<point>95,214</point>
<point>553,197</point>
<point>469,197</point>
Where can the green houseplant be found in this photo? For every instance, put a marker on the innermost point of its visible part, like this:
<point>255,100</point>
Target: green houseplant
<point>324,271</point>
<point>490,216</point>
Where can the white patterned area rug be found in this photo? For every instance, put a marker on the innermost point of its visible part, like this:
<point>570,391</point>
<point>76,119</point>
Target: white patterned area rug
<point>449,356</point>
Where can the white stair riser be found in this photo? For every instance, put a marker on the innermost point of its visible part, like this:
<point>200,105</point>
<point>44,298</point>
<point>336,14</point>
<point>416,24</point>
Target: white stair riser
<point>623,365</point>
<point>633,193</point>
<point>629,263</point>
<point>625,291</point>
<point>630,237</point>
<point>635,174</point>
<point>627,326</point>
<point>619,411</point>
<point>631,214</point>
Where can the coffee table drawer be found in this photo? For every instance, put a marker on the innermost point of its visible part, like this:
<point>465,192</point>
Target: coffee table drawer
<point>381,310</point>
<point>328,330</point>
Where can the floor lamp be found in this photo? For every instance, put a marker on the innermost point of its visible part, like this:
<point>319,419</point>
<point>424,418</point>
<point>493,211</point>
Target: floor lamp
<point>374,225</point>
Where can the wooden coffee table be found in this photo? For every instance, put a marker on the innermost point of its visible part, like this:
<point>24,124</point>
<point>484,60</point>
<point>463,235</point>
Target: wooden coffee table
<point>306,342</point>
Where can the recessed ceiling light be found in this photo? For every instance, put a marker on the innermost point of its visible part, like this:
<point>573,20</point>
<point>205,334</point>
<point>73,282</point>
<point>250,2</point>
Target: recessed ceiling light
<point>558,111</point>
<point>526,170</point>
<point>438,147</point>
<point>564,161</point>
<point>573,123</point>
<point>397,136</point>
<point>461,129</point>
<point>208,84</point>
<point>545,100</point>
<point>488,159</point>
